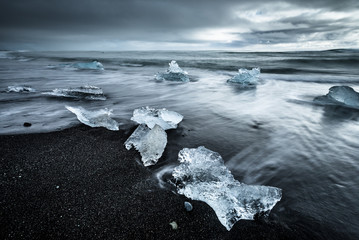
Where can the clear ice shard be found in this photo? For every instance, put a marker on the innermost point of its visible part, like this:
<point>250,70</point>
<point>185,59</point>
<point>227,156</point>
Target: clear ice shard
<point>246,78</point>
<point>149,142</point>
<point>84,92</point>
<point>174,68</point>
<point>162,117</point>
<point>173,73</point>
<point>100,118</point>
<point>340,95</point>
<point>203,176</point>
<point>95,65</point>
<point>20,89</point>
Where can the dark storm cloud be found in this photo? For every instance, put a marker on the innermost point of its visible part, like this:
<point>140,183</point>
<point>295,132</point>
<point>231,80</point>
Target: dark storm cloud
<point>123,20</point>
<point>323,29</point>
<point>287,36</point>
<point>42,22</point>
<point>158,13</point>
<point>108,14</point>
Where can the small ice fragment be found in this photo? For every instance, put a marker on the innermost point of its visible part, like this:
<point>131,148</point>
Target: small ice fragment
<point>20,89</point>
<point>95,65</point>
<point>340,95</point>
<point>100,118</point>
<point>173,73</point>
<point>203,176</point>
<point>149,142</point>
<point>84,92</point>
<point>246,78</point>
<point>162,117</point>
<point>188,206</point>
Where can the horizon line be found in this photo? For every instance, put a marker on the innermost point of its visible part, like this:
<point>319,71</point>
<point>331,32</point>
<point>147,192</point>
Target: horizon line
<point>190,50</point>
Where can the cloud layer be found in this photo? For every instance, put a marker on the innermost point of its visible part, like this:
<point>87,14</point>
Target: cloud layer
<point>168,24</point>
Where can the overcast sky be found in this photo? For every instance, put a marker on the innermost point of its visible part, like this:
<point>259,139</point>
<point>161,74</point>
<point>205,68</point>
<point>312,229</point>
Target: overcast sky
<point>251,25</point>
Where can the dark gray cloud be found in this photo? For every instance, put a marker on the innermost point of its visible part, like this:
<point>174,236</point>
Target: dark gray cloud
<point>302,27</point>
<point>115,25</point>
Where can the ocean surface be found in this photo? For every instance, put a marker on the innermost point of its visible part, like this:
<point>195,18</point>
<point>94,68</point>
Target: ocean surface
<point>272,134</point>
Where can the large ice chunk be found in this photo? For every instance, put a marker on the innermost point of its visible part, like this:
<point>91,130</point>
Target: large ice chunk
<point>84,92</point>
<point>95,65</point>
<point>203,176</point>
<point>247,78</point>
<point>100,118</point>
<point>340,95</point>
<point>173,73</point>
<point>162,117</point>
<point>20,89</point>
<point>149,142</point>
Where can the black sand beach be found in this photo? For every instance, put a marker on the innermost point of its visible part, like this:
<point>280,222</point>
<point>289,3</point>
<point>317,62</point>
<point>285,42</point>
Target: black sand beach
<point>81,183</point>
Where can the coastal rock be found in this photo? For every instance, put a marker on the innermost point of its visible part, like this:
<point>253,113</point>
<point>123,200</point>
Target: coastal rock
<point>27,124</point>
<point>188,206</point>
<point>174,225</point>
<point>203,176</point>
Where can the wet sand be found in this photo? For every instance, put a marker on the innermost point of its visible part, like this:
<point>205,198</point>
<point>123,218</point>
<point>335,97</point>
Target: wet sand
<point>81,183</point>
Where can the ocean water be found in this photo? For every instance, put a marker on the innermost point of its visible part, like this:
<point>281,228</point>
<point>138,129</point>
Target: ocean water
<point>273,134</point>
